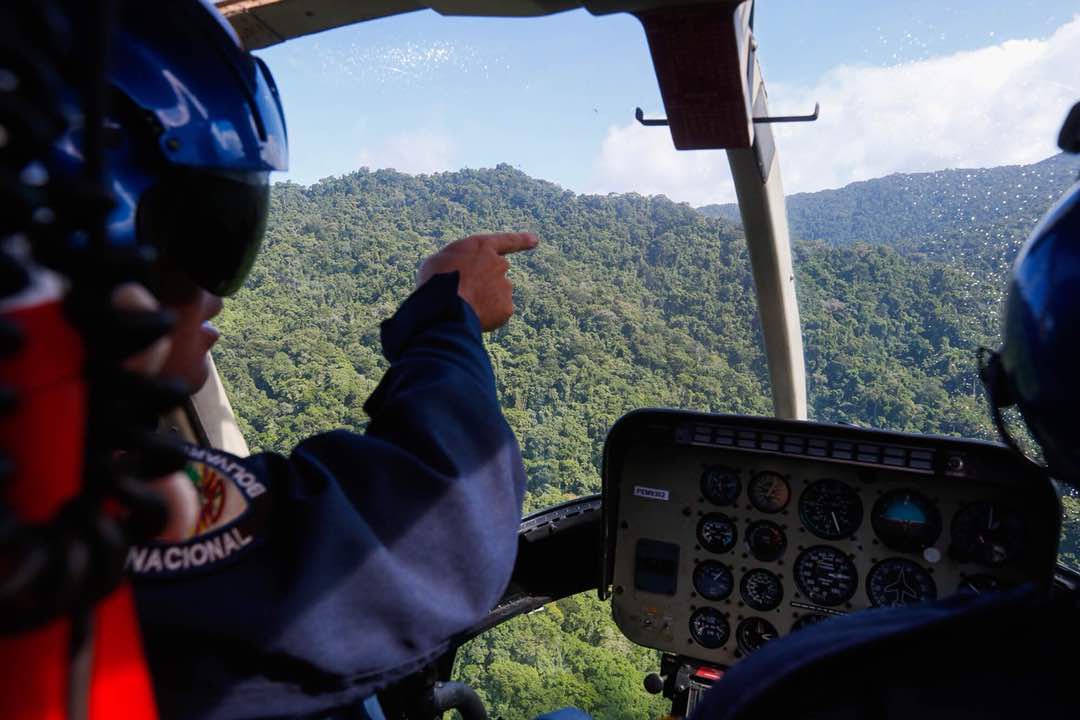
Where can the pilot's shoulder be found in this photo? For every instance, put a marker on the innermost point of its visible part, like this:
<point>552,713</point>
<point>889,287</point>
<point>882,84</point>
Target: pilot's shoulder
<point>233,501</point>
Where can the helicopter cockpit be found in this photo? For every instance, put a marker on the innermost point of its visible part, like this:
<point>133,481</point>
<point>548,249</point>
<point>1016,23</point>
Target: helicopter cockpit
<point>718,535</point>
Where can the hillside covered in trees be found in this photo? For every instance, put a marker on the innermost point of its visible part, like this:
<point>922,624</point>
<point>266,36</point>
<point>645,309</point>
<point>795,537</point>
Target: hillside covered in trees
<point>897,209</point>
<point>629,301</point>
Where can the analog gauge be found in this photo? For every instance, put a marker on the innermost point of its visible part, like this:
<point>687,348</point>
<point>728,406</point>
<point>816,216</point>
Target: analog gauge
<point>709,628</point>
<point>906,520</point>
<point>754,632</point>
<point>765,540</point>
<point>987,534</point>
<point>809,619</point>
<point>830,509</point>
<point>717,533</point>
<point>721,485</point>
<point>979,584</point>
<point>826,576</point>
<point>713,580</point>
<point>761,590</point>
<point>899,581</point>
<point>769,491</point>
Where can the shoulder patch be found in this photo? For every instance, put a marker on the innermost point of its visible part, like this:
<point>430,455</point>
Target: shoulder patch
<point>232,509</point>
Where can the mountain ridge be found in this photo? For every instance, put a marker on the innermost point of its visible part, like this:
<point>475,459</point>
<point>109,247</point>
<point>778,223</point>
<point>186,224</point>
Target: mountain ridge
<point>842,215</point>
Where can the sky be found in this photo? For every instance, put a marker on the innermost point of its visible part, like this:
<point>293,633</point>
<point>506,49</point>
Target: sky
<point>904,86</point>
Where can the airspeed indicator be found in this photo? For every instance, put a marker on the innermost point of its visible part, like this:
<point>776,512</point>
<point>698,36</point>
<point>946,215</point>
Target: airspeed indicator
<point>826,576</point>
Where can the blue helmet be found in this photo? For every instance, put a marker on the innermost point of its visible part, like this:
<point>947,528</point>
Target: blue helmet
<point>195,126</point>
<point>1038,367</point>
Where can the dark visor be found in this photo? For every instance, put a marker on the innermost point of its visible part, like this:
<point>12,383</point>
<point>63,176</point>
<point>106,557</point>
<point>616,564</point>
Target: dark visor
<point>207,224</point>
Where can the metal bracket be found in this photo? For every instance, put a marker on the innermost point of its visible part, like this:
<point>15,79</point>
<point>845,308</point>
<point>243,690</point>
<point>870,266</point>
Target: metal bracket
<point>791,118</point>
<point>639,115</point>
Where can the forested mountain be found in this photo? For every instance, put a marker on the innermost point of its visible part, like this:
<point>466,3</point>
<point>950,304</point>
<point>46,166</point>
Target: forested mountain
<point>978,213</point>
<point>629,301</point>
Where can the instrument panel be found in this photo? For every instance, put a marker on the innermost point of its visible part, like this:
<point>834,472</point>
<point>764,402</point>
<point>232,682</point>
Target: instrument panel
<point>723,533</point>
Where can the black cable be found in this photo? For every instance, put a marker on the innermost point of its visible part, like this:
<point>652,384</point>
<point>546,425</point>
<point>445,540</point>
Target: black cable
<point>81,666</point>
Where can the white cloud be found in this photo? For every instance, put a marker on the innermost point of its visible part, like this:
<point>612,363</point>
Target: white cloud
<point>411,151</point>
<point>998,105</point>
<point>642,159</point>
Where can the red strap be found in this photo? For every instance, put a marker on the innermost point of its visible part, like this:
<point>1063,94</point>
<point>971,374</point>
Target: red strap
<point>43,436</point>
<point>121,682</point>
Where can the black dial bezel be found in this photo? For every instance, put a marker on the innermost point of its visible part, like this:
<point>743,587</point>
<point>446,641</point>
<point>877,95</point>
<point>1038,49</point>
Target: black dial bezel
<point>770,507</point>
<point>816,550</point>
<point>710,547</point>
<point>714,613</point>
<point>830,532</point>
<point>708,564</point>
<point>972,550</point>
<point>910,564</point>
<point>749,534</point>
<point>743,627</point>
<point>907,541</point>
<point>773,578</point>
<point>731,496</point>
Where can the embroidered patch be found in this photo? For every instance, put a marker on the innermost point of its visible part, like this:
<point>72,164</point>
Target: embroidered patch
<point>220,500</point>
<point>231,509</point>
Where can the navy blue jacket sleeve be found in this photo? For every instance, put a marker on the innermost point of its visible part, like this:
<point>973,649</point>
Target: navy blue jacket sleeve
<point>357,557</point>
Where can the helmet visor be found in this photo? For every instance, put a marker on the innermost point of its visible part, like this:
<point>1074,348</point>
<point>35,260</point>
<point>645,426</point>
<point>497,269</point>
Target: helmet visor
<point>270,117</point>
<point>207,224</point>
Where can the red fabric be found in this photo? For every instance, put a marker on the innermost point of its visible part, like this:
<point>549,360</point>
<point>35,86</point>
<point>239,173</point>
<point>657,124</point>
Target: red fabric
<point>34,681</point>
<point>43,436</point>
<point>121,683</point>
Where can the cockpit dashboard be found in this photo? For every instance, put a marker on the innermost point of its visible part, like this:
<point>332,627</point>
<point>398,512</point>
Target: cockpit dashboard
<point>723,533</point>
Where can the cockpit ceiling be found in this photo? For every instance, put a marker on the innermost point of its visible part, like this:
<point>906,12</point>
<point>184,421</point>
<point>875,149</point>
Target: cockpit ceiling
<point>261,23</point>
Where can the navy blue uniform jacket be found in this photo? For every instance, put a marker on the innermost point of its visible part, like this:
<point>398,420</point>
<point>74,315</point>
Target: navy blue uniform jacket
<point>968,657</point>
<point>315,579</point>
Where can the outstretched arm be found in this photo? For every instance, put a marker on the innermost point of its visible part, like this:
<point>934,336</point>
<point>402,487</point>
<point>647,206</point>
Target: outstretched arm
<point>437,480</point>
<point>358,556</point>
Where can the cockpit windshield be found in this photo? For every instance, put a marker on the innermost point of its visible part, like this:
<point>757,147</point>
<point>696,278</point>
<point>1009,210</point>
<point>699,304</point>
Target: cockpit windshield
<point>932,159</point>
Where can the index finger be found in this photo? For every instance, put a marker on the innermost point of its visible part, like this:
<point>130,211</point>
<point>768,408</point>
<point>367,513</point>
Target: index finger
<point>506,243</point>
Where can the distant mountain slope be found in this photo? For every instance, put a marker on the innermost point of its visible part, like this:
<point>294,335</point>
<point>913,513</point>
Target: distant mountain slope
<point>629,301</point>
<point>900,209</point>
